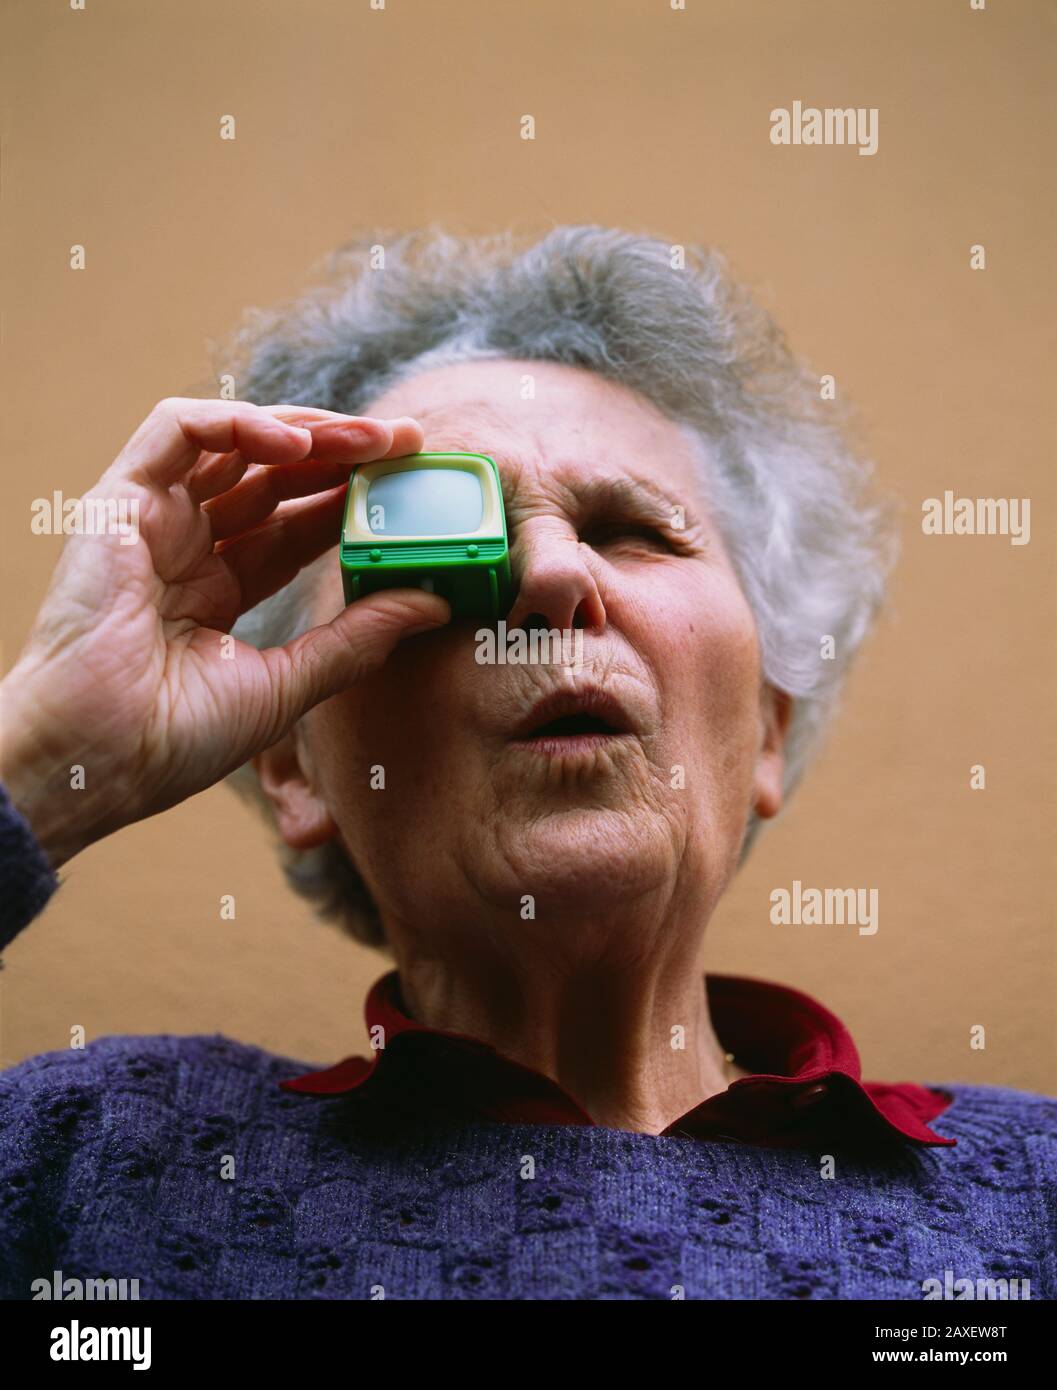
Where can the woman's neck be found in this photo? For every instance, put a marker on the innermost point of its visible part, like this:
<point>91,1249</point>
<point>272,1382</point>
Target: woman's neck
<point>626,1033</point>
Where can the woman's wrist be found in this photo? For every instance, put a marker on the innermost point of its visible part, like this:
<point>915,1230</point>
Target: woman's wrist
<point>40,784</point>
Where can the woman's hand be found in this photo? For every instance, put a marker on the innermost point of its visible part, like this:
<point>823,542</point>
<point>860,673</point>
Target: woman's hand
<point>129,673</point>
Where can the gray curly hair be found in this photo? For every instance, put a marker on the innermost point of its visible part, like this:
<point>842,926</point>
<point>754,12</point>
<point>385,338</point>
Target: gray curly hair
<point>810,545</point>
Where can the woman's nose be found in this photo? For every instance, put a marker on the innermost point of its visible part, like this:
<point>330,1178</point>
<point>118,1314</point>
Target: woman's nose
<point>555,587</point>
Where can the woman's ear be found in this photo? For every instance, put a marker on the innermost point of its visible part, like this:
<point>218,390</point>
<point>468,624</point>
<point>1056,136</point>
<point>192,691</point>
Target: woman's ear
<point>301,814</point>
<point>776,710</point>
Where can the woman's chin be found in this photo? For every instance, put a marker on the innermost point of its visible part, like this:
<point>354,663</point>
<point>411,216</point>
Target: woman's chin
<point>587,855</point>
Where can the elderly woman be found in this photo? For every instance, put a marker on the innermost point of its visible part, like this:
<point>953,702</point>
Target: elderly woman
<point>558,1104</point>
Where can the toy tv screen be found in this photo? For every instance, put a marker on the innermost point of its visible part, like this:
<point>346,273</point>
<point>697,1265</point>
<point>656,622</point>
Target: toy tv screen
<point>425,502</point>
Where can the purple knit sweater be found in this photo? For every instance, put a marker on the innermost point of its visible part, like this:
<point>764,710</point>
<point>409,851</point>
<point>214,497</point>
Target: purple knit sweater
<point>178,1161</point>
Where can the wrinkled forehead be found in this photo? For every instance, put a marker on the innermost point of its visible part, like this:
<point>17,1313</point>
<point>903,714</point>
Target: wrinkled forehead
<point>549,424</point>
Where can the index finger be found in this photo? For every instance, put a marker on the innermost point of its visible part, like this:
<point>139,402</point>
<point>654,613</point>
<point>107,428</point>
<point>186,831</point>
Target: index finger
<point>170,440</point>
<point>331,431</point>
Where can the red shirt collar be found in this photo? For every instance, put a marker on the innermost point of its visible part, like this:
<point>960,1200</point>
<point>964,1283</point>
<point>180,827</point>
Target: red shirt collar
<point>805,1085</point>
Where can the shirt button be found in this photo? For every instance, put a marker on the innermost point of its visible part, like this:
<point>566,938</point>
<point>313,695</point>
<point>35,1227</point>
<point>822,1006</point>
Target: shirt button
<point>810,1095</point>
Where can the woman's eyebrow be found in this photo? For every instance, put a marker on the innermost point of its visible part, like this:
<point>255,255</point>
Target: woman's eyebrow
<point>623,492</point>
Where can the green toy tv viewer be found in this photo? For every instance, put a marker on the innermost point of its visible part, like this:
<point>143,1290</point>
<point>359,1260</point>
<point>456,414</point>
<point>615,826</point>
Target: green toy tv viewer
<point>429,521</point>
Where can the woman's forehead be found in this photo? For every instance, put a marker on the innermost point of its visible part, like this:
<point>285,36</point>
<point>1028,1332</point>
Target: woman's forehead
<point>573,427</point>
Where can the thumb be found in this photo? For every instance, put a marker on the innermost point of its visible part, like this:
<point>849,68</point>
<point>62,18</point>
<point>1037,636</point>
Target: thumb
<point>329,658</point>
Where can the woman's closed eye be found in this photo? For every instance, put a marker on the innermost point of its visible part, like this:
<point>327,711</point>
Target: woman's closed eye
<point>629,535</point>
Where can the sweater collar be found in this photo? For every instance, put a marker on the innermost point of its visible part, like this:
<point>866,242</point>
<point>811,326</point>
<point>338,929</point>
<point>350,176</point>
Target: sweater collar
<point>805,1085</point>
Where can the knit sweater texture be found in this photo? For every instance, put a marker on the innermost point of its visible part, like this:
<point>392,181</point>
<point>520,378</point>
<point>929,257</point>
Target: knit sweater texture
<point>181,1163</point>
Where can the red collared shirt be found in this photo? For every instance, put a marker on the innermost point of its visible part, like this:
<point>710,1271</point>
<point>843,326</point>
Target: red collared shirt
<point>805,1087</point>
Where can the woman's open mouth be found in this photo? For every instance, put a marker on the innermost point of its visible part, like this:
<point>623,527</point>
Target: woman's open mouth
<point>574,733</point>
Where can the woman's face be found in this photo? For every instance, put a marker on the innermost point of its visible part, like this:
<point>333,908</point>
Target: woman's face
<point>475,812</point>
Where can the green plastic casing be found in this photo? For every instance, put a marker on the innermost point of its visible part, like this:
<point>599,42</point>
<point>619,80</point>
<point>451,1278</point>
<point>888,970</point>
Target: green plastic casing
<point>471,570</point>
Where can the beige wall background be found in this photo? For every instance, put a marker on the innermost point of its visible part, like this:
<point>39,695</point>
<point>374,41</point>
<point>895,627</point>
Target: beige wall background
<point>657,120</point>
